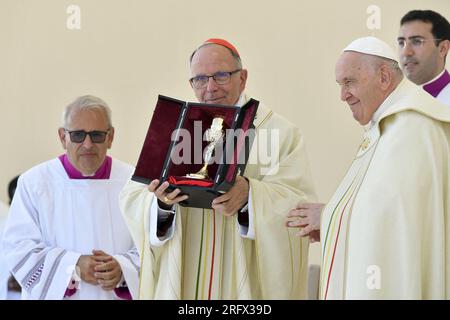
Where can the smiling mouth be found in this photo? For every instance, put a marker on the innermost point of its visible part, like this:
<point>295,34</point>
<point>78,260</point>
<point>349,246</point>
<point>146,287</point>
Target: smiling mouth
<point>214,99</point>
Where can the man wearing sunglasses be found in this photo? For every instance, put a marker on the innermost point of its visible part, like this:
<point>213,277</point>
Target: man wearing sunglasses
<point>241,249</point>
<point>65,236</point>
<point>423,44</point>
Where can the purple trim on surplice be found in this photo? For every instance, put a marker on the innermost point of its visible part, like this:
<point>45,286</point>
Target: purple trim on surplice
<point>123,293</point>
<point>435,87</point>
<point>102,173</point>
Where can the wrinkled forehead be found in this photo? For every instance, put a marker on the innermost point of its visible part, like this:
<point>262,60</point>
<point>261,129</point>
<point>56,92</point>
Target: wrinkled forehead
<point>350,64</point>
<point>91,118</point>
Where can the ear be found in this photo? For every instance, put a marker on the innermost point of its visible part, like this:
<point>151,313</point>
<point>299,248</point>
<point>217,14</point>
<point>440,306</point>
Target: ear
<point>385,77</point>
<point>243,77</point>
<point>62,137</point>
<point>444,47</point>
<point>110,137</point>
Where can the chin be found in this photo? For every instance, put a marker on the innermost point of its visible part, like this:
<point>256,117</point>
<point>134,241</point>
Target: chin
<point>411,76</point>
<point>216,101</point>
<point>363,122</point>
<point>89,170</point>
<point>359,120</point>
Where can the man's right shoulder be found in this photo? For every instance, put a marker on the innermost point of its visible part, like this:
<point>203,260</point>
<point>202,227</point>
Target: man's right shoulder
<point>46,169</point>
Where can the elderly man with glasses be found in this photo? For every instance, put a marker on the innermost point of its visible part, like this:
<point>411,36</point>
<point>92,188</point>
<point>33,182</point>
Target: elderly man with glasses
<point>423,44</point>
<point>240,249</point>
<point>65,236</point>
<point>385,230</point>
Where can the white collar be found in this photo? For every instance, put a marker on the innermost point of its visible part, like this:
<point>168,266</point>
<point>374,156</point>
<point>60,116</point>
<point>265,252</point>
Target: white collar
<point>380,111</point>
<point>376,116</point>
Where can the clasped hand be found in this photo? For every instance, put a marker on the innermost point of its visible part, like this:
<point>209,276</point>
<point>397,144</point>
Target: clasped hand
<point>99,269</point>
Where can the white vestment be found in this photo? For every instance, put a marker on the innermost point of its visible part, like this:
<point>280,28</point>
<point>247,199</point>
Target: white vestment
<point>54,220</point>
<point>206,255</point>
<point>385,232</point>
<point>4,272</point>
<point>444,95</point>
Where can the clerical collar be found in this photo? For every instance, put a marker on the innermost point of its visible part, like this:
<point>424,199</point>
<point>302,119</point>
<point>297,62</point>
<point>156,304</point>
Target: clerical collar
<point>102,173</point>
<point>376,116</point>
<point>435,86</point>
<point>381,109</point>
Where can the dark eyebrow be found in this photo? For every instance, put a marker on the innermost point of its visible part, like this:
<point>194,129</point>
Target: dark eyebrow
<point>412,37</point>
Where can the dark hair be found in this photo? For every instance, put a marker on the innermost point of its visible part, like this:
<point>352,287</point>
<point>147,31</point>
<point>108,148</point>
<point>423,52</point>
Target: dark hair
<point>440,27</point>
<point>12,188</point>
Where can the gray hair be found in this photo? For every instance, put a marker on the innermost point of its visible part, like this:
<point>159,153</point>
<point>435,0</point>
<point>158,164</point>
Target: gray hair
<point>236,58</point>
<point>376,62</point>
<point>87,102</point>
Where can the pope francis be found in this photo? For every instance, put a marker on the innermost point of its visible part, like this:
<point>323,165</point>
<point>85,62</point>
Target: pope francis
<point>385,231</point>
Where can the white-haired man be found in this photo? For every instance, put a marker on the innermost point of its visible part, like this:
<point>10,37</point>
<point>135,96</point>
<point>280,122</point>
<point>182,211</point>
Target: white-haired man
<point>65,236</point>
<point>385,230</point>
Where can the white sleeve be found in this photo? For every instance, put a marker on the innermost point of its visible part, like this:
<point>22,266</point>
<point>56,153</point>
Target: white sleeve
<point>248,232</point>
<point>155,212</point>
<point>130,265</point>
<point>44,272</point>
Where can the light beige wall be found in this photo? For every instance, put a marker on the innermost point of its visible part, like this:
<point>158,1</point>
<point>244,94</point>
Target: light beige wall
<point>129,51</point>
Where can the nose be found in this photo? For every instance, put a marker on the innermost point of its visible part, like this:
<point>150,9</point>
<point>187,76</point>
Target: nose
<point>345,94</point>
<point>407,50</point>
<point>87,143</point>
<point>212,85</point>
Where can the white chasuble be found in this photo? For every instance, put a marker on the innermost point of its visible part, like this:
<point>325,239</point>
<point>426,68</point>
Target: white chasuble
<point>207,257</point>
<point>385,231</point>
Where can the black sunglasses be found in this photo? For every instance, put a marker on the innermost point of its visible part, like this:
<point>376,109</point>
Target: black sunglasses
<point>78,136</point>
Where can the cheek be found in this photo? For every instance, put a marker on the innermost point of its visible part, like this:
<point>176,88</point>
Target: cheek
<point>354,92</point>
<point>232,91</point>
<point>73,151</point>
<point>200,94</point>
<point>371,106</point>
<point>424,55</point>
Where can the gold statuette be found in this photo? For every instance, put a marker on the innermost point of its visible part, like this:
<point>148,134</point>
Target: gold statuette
<point>213,135</point>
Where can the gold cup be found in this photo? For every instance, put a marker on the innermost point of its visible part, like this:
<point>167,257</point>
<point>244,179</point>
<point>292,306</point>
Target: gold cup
<point>213,135</point>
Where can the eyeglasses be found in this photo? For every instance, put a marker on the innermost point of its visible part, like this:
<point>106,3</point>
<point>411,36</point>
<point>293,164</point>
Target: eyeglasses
<point>221,77</point>
<point>78,136</point>
<point>415,42</point>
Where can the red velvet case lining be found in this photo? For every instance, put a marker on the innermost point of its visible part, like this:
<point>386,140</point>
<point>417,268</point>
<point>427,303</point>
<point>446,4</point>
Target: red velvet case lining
<point>164,122</point>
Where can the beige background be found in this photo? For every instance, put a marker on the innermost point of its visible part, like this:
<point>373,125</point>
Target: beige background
<point>129,51</point>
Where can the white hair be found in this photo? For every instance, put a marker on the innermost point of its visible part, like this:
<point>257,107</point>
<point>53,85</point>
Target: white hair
<point>376,62</point>
<point>86,102</point>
